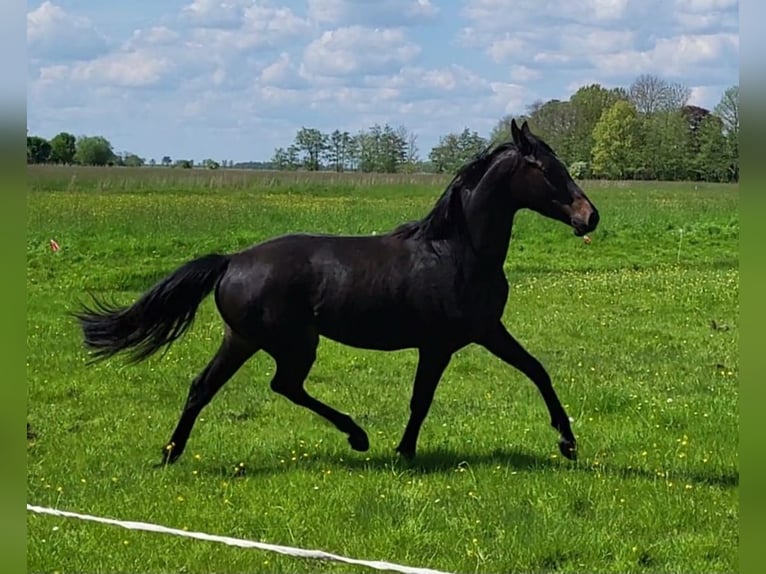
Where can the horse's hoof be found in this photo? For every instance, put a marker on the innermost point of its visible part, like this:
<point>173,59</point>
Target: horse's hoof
<point>170,454</point>
<point>359,441</point>
<point>407,454</point>
<point>568,448</point>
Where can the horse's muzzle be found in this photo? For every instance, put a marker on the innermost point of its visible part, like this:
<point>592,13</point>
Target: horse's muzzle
<point>585,223</point>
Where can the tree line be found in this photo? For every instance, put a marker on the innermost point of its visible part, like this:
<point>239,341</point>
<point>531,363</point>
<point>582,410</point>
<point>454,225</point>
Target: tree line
<point>645,131</point>
<point>65,148</point>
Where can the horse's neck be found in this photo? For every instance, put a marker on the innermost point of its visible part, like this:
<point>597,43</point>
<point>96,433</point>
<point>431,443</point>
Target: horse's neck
<point>489,217</point>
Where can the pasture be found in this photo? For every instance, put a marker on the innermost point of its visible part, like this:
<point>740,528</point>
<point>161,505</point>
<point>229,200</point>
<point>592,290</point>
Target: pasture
<point>638,330</point>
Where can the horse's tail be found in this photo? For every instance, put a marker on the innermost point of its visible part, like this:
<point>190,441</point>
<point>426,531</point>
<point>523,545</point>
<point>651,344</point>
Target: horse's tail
<point>158,318</point>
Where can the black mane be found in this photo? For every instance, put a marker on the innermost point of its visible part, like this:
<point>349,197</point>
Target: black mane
<point>448,209</point>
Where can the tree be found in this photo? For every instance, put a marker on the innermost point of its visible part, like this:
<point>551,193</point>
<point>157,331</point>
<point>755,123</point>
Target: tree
<point>94,150</point>
<point>665,146</point>
<point>412,153</point>
<point>649,93</point>
<point>614,142</point>
<point>334,152</point>
<point>63,148</point>
<point>587,105</point>
<point>312,143</point>
<point>711,162</point>
<point>38,149</point>
<point>133,160</point>
<point>728,111</point>
<point>279,159</point>
<point>166,160</point>
<point>553,121</point>
<point>454,150</point>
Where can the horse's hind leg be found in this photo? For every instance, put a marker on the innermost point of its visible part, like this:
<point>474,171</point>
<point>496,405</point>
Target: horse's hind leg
<point>294,359</point>
<point>231,355</point>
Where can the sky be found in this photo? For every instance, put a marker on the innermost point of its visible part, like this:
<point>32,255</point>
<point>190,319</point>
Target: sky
<point>235,79</point>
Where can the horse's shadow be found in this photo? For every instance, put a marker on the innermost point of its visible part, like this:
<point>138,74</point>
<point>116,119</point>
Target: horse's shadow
<point>443,460</point>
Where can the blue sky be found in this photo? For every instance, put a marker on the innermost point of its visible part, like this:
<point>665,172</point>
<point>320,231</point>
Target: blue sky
<point>233,79</point>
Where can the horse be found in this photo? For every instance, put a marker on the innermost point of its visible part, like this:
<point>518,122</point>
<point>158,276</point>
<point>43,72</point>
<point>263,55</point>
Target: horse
<point>435,284</point>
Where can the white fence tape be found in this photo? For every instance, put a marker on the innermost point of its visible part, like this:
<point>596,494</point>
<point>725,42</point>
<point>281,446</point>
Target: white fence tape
<point>288,550</point>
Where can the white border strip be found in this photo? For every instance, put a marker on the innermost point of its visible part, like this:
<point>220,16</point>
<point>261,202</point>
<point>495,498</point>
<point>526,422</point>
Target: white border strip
<point>288,550</point>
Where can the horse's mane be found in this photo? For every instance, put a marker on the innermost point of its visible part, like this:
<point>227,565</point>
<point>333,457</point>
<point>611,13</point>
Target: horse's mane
<point>446,217</point>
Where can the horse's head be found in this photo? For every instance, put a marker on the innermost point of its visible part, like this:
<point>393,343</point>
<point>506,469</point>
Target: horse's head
<point>548,188</point>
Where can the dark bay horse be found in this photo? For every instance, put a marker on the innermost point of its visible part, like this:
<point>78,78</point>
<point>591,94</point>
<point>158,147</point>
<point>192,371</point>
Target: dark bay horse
<point>436,285</point>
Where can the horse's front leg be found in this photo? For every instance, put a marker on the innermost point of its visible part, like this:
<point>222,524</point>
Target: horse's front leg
<point>431,365</point>
<point>501,343</point>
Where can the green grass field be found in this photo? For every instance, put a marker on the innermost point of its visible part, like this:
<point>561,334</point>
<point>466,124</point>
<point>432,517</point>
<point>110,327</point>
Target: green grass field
<point>639,331</point>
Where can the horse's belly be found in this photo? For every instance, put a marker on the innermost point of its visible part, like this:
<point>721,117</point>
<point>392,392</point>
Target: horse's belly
<point>370,330</point>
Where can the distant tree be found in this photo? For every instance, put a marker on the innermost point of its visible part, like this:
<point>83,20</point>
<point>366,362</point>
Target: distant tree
<point>728,111</point>
<point>334,153</point>
<point>279,159</point>
<point>293,157</point>
<point>93,150</point>
<point>38,149</point>
<point>453,150</point>
<point>412,153</point>
<point>587,105</point>
<point>711,162</point>
<point>649,93</point>
<point>184,163</point>
<point>392,149</point>
<point>614,142</point>
<point>312,143</point>
<point>133,160</point>
<point>167,160</point>
<point>152,162</point>
<point>63,148</point>
<point>210,164</point>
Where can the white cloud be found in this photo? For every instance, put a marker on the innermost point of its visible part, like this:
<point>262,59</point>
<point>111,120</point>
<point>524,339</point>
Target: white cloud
<point>155,36</point>
<point>368,12</point>
<point>521,73</point>
<point>215,13</point>
<point>705,5</point>
<point>55,35</point>
<point>671,56</point>
<point>358,50</point>
<point>506,48</point>
<point>129,69</point>
<point>257,26</point>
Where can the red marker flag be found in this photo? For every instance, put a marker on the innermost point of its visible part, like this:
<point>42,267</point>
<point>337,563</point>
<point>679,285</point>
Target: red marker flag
<point>54,246</point>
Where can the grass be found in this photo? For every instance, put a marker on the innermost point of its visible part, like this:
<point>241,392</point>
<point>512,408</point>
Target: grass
<point>639,331</point>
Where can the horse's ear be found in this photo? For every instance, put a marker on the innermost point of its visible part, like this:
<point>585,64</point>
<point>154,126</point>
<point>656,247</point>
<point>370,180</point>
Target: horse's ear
<point>515,132</point>
<point>521,137</point>
<point>525,130</point>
